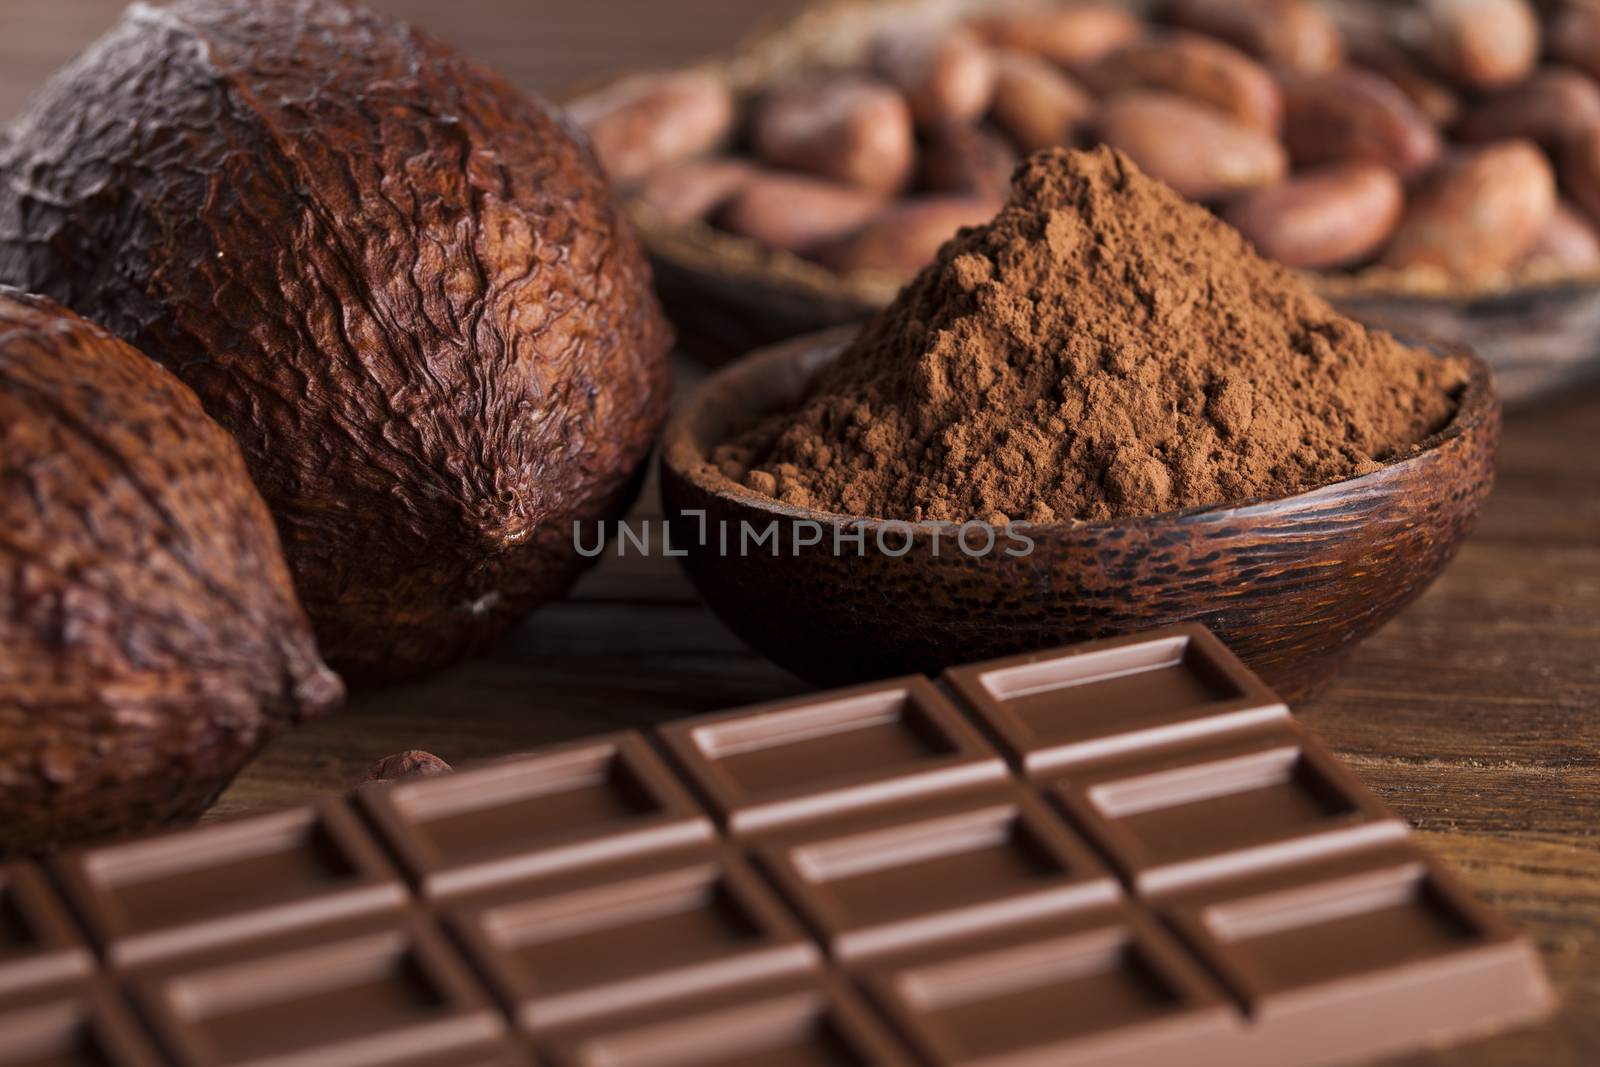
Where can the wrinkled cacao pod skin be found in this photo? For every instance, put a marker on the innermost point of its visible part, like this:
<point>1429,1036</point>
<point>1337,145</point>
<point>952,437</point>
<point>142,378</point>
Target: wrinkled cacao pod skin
<point>398,281</point>
<point>150,640</point>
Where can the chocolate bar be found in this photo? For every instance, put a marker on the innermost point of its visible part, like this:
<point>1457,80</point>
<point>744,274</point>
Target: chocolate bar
<point>1122,853</point>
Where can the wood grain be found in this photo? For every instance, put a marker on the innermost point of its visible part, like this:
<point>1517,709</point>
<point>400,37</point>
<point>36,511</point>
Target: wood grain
<point>1476,713</point>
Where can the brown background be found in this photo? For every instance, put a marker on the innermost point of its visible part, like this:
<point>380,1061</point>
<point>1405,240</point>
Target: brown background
<point>1476,713</point>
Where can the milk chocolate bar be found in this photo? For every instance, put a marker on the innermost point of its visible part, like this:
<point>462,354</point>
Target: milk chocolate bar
<point>1119,854</point>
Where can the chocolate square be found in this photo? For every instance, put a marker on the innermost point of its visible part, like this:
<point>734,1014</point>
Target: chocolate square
<point>559,958</point>
<point>797,760</point>
<point>40,946</point>
<point>1089,702</point>
<point>180,893</point>
<point>1192,813</point>
<point>357,997</point>
<point>85,1025</point>
<point>1360,955</point>
<point>938,875</point>
<point>817,1022</point>
<point>565,807</point>
<point>1104,987</point>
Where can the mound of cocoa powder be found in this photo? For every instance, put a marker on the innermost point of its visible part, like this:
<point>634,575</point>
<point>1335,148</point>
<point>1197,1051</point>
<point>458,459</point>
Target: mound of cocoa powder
<point>1101,349</point>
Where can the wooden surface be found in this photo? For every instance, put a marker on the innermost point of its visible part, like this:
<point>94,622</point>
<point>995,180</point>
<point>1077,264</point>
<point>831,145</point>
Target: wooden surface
<point>1476,713</point>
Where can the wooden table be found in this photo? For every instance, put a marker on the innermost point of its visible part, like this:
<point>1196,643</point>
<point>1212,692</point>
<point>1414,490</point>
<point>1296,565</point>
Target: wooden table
<point>1476,713</point>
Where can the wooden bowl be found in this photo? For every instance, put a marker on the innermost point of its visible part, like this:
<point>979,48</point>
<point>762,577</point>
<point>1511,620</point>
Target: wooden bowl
<point>1290,584</point>
<point>729,295</point>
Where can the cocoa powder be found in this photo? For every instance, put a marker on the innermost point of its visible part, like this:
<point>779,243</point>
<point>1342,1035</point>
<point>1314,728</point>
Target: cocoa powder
<point>1101,349</point>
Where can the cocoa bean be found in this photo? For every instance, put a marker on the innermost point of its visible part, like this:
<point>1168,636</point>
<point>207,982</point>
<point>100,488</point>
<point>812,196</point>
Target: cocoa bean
<point>1575,38</point>
<point>947,75</point>
<point>1438,101</point>
<point>1199,151</point>
<point>906,236</point>
<point>649,120</point>
<point>852,130</point>
<point>1482,44</point>
<point>1337,216</point>
<point>1479,214</point>
<point>795,212</point>
<point>1197,67</point>
<point>1551,107</point>
<point>966,159</point>
<point>1569,244</point>
<point>1354,114</point>
<point>1038,105</point>
<point>1071,36</point>
<point>1293,35</point>
<point>1580,171</point>
<point>694,189</point>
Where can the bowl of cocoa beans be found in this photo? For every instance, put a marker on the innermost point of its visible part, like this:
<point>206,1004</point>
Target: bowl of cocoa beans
<point>1435,164</point>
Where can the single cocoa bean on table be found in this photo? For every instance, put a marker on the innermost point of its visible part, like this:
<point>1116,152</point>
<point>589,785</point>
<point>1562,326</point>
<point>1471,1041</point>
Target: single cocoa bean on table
<point>1038,105</point>
<point>1336,216</point>
<point>1479,214</point>
<point>1354,114</point>
<point>946,73</point>
<point>1197,67</point>
<point>1292,35</point>
<point>649,120</point>
<point>852,130</point>
<point>408,766</point>
<point>1199,151</point>
<point>399,768</point>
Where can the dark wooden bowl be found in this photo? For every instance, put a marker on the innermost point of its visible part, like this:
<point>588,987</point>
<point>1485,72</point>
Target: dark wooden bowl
<point>1289,584</point>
